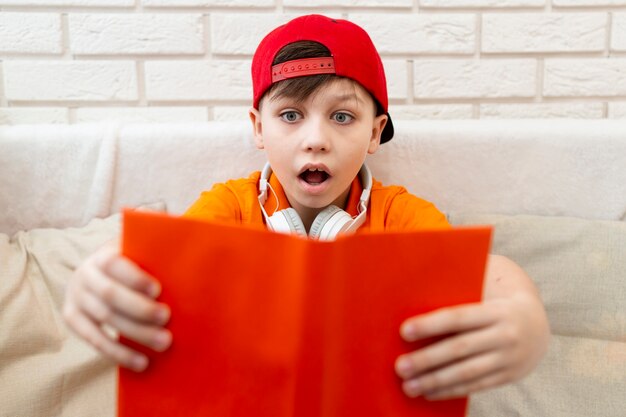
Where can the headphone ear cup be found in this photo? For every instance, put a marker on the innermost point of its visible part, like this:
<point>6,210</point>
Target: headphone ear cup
<point>329,223</point>
<point>292,220</point>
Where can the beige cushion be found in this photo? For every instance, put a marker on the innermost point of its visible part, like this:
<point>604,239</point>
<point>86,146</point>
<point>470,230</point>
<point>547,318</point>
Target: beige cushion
<point>45,370</point>
<point>579,267</point>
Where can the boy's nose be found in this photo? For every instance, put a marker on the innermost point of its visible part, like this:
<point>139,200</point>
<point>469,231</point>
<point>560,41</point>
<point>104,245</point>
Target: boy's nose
<point>317,137</point>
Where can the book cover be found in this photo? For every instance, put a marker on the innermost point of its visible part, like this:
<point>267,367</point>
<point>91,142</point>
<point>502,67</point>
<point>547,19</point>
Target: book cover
<point>266,324</point>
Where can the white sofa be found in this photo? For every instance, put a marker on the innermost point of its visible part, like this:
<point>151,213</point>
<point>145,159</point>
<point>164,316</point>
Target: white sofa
<point>555,191</point>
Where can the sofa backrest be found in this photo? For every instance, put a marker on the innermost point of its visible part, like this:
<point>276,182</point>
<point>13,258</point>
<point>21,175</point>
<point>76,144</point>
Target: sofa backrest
<point>59,176</point>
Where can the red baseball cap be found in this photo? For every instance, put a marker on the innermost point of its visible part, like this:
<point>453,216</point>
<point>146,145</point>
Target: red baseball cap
<point>353,55</point>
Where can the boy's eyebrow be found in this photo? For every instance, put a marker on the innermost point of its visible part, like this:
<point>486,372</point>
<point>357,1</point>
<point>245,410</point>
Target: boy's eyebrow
<point>346,97</point>
<point>334,98</point>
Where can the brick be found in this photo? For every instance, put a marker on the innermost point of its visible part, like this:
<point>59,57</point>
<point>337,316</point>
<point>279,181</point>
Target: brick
<point>474,79</point>
<point>30,33</point>
<point>430,111</point>
<point>618,32</point>
<point>348,3</point>
<point>230,113</point>
<point>70,80</point>
<point>80,3</point>
<point>617,110</point>
<point>423,33</point>
<point>585,77</point>
<point>142,114</point>
<point>537,32</point>
<point>227,36</point>
<point>542,111</point>
<point>32,115</point>
<point>208,3</point>
<point>594,3</point>
<point>136,33</point>
<point>481,3</point>
<point>198,80</point>
<point>397,78</point>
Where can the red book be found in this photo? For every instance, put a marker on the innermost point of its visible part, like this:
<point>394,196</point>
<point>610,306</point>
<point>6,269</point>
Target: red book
<point>266,324</point>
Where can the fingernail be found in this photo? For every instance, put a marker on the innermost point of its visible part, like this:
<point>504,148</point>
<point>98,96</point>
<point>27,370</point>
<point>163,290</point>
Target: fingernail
<point>154,290</point>
<point>408,332</point>
<point>404,367</point>
<point>162,340</point>
<point>412,388</point>
<point>139,363</point>
<point>163,315</point>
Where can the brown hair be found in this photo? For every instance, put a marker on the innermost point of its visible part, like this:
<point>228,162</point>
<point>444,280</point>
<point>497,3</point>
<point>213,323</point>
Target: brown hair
<point>302,87</point>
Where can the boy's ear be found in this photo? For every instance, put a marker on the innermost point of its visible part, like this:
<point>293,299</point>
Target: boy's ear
<point>257,127</point>
<point>377,131</point>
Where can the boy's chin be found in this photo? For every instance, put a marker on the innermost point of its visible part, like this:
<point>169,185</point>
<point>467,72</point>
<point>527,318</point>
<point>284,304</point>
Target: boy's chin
<point>316,202</point>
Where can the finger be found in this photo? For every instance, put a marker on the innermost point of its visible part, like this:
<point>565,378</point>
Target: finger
<point>447,320</point>
<point>458,373</point>
<point>110,348</point>
<point>447,351</point>
<point>466,388</point>
<point>124,300</point>
<point>126,272</point>
<point>154,337</point>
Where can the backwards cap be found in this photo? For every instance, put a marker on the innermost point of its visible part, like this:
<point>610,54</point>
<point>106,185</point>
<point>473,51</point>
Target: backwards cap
<point>353,55</point>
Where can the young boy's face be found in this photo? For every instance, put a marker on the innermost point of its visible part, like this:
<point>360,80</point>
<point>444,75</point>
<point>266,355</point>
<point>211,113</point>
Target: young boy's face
<point>316,147</point>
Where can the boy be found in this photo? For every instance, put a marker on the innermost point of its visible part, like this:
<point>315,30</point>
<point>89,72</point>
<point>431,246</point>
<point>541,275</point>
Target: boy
<point>320,106</point>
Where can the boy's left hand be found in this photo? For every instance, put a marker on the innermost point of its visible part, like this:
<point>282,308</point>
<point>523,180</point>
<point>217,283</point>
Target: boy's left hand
<point>488,344</point>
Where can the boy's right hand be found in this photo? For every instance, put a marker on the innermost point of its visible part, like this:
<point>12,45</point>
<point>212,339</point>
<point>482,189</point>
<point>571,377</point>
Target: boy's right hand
<point>109,289</point>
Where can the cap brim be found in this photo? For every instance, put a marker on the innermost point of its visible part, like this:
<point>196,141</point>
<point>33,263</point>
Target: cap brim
<point>387,133</point>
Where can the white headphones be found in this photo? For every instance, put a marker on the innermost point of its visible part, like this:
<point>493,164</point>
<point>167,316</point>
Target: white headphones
<point>328,224</point>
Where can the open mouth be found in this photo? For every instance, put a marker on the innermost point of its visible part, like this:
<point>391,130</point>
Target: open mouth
<point>314,176</point>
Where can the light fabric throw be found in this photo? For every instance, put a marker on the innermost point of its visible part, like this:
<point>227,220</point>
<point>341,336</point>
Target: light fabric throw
<point>579,267</point>
<point>45,370</point>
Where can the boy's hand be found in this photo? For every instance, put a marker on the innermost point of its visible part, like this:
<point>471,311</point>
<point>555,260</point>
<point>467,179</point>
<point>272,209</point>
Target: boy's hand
<point>487,344</point>
<point>108,289</point>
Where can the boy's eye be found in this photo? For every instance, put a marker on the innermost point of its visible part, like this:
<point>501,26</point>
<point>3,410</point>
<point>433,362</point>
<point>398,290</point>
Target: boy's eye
<point>340,117</point>
<point>290,116</point>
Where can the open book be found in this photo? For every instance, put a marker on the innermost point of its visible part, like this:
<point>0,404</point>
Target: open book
<point>266,324</point>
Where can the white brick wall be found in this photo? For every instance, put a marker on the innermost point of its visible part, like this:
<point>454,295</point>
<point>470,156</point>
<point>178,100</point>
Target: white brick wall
<point>94,34</point>
<point>228,36</point>
<point>72,61</point>
<point>589,3</point>
<point>30,33</point>
<point>78,3</point>
<point>208,3</point>
<point>474,79</point>
<point>585,78</point>
<point>198,80</point>
<point>482,3</point>
<point>396,74</point>
<point>555,32</point>
<point>617,110</point>
<point>348,3</point>
<point>442,111</point>
<point>542,110</point>
<point>618,40</point>
<point>70,80</point>
<point>141,114</point>
<point>420,34</point>
<point>27,115</point>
